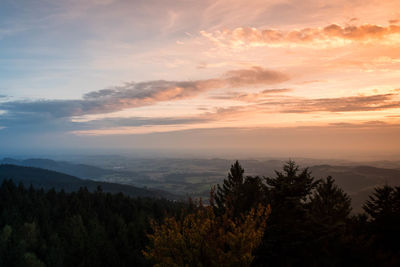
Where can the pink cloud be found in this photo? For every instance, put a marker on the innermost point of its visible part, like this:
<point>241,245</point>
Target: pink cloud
<point>133,94</point>
<point>246,36</point>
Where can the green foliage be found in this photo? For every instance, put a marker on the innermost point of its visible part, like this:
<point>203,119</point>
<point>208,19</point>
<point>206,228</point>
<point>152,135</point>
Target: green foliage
<point>31,260</point>
<point>39,228</point>
<point>310,225</point>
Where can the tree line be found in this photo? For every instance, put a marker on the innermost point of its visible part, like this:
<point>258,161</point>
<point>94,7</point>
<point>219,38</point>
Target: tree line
<point>290,219</point>
<point>52,228</point>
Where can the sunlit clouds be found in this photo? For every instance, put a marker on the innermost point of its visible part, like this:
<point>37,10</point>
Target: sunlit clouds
<point>112,68</point>
<point>331,35</point>
<point>133,95</point>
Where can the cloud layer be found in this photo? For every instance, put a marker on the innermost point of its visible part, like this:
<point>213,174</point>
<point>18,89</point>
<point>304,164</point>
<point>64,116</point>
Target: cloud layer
<point>132,95</point>
<point>339,104</point>
<point>331,34</point>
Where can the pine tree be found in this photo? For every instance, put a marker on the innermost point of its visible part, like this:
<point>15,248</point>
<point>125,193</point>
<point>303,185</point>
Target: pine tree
<point>290,185</point>
<point>383,207</point>
<point>330,204</point>
<point>382,203</point>
<point>289,235</point>
<point>329,211</point>
<point>229,193</point>
<point>238,193</point>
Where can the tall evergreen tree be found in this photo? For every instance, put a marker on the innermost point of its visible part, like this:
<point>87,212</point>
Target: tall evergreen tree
<point>329,211</point>
<point>229,194</point>
<point>330,204</point>
<point>288,238</point>
<point>383,207</point>
<point>238,194</point>
<point>291,185</point>
<point>384,203</point>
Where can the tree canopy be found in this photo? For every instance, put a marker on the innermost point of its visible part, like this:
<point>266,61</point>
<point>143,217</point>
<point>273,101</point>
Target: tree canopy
<point>290,219</point>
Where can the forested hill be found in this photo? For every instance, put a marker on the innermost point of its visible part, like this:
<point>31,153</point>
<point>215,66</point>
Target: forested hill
<point>290,219</point>
<point>82,171</point>
<point>41,178</point>
<point>58,229</point>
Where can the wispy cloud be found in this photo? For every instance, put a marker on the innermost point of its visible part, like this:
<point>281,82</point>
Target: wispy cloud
<point>232,116</point>
<point>296,105</point>
<point>132,95</point>
<point>332,34</point>
<point>139,121</point>
<point>252,97</point>
<point>361,125</point>
<point>275,100</point>
<point>341,104</point>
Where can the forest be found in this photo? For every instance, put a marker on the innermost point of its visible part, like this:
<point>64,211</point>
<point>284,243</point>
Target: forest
<point>288,219</point>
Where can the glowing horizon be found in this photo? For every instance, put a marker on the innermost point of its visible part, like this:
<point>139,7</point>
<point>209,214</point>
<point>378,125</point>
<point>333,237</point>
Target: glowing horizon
<point>78,71</point>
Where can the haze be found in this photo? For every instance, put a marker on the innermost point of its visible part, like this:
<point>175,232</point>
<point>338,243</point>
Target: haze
<point>254,78</point>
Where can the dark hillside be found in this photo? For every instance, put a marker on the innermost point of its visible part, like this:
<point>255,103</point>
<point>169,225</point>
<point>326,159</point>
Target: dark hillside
<point>46,179</point>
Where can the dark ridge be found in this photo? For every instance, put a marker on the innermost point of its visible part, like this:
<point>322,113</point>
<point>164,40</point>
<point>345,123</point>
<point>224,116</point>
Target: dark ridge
<point>46,179</point>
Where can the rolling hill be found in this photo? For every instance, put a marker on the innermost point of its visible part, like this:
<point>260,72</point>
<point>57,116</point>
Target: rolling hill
<point>46,179</point>
<point>195,177</point>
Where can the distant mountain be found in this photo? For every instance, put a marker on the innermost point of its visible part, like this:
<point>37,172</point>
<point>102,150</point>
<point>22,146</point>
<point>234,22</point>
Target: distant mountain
<point>79,170</point>
<point>41,178</point>
<point>195,177</point>
<point>352,178</point>
<point>358,181</point>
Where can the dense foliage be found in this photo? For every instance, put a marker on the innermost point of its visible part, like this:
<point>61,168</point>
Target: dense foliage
<point>203,238</point>
<point>39,228</point>
<point>290,219</point>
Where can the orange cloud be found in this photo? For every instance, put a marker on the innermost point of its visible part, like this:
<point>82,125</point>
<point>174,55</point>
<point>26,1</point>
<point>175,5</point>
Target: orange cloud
<point>252,97</point>
<point>290,104</point>
<point>339,104</point>
<point>253,76</point>
<point>331,34</point>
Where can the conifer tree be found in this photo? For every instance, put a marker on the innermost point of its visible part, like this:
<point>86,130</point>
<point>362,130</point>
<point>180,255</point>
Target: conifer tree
<point>287,240</point>
<point>230,192</point>
<point>383,207</point>
<point>239,193</point>
<point>383,203</point>
<point>330,204</point>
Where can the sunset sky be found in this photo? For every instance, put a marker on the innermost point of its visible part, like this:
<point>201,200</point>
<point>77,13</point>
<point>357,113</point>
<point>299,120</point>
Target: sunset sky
<point>307,78</point>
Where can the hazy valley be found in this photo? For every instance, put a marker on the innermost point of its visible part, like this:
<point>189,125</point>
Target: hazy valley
<point>194,177</point>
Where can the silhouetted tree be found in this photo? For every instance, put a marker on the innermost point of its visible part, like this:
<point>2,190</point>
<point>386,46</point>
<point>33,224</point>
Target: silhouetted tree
<point>309,225</point>
<point>229,193</point>
<point>238,193</point>
<point>39,228</point>
<point>383,207</point>
<point>384,203</point>
<point>330,205</point>
<point>329,211</point>
<point>289,236</point>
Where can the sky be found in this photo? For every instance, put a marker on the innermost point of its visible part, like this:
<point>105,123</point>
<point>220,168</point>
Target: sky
<point>308,78</point>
